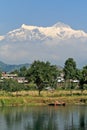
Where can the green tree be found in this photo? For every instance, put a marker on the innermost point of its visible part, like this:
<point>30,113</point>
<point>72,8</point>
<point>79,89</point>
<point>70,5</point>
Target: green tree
<point>42,74</point>
<point>11,85</point>
<point>79,75</point>
<point>84,73</point>
<point>15,72</point>
<point>70,70</point>
<point>23,71</point>
<point>0,73</point>
<point>83,79</point>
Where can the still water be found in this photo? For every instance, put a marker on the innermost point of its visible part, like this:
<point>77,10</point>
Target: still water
<point>43,118</point>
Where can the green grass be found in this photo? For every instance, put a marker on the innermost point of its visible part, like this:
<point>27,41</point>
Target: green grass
<point>32,97</point>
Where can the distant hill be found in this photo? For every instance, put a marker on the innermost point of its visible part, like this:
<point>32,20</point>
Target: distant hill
<point>8,68</point>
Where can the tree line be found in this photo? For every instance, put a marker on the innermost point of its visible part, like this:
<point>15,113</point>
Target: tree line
<point>41,75</point>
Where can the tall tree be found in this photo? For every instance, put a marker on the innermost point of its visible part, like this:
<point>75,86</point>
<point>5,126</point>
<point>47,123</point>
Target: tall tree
<point>42,73</point>
<point>23,71</point>
<point>70,70</point>
<point>83,79</point>
<point>84,73</point>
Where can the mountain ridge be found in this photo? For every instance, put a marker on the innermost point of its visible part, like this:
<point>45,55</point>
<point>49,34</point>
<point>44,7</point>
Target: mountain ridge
<point>55,44</point>
<point>58,30</point>
<point>9,67</point>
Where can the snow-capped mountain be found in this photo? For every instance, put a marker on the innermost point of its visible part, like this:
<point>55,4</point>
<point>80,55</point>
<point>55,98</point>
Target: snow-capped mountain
<point>54,44</point>
<point>33,33</point>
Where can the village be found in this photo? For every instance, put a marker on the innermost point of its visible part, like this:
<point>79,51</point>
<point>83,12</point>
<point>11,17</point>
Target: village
<point>5,75</point>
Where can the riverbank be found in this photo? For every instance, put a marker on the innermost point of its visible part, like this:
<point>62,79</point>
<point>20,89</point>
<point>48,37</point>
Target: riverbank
<point>33,99</point>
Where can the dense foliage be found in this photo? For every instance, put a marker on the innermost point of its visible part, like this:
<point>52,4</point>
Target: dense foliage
<point>70,69</point>
<point>11,85</point>
<point>42,74</point>
<point>71,72</point>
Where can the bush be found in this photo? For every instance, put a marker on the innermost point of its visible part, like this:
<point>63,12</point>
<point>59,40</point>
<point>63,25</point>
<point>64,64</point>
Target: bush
<point>11,85</point>
<point>85,86</point>
<point>30,86</point>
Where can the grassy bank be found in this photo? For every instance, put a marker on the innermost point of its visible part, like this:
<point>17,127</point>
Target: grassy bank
<point>46,97</point>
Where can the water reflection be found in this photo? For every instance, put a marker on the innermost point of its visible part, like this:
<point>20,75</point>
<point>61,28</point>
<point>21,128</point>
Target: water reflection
<point>82,119</point>
<point>43,118</point>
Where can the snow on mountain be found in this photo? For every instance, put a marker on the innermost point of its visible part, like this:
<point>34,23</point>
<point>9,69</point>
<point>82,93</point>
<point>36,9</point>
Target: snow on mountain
<point>59,31</point>
<point>55,44</point>
<point>60,24</point>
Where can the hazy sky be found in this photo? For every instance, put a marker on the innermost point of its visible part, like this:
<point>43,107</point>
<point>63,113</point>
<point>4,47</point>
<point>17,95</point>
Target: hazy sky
<point>13,13</point>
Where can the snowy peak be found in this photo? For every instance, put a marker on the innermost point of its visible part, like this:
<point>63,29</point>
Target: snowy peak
<point>57,25</point>
<point>60,24</point>
<point>55,43</point>
<point>58,31</point>
<point>28,27</point>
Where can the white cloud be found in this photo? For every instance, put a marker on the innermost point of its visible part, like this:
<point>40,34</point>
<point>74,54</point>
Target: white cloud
<point>56,53</point>
<point>15,49</point>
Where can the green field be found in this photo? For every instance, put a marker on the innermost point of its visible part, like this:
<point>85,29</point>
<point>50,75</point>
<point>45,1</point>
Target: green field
<point>46,97</point>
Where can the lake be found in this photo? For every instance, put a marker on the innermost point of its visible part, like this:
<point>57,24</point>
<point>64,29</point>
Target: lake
<point>44,118</point>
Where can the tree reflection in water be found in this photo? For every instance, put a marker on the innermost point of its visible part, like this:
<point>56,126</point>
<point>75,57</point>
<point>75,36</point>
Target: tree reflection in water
<point>12,117</point>
<point>43,118</point>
